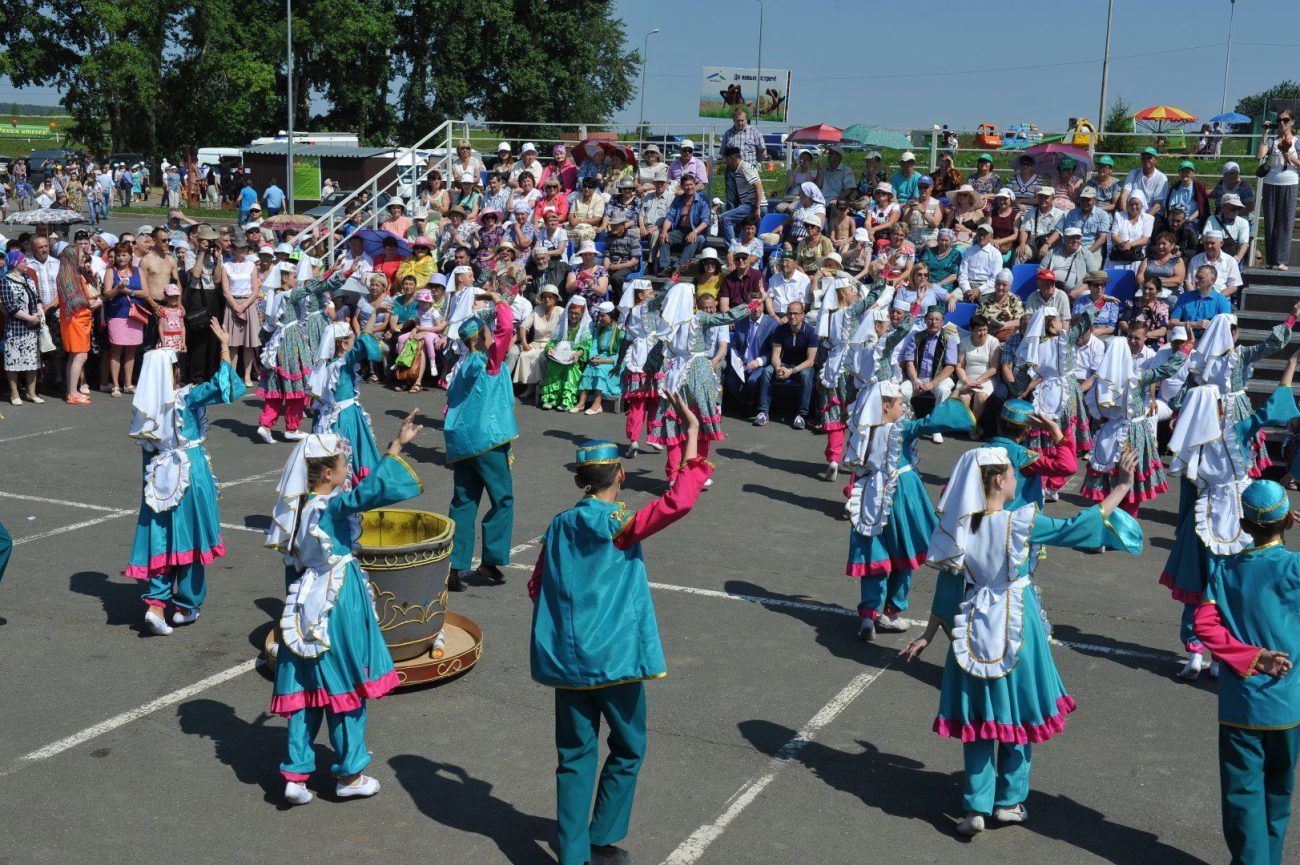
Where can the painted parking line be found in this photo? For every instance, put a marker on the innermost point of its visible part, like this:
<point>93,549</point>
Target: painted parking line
<point>35,434</point>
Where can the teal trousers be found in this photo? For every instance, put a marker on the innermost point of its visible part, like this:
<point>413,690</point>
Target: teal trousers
<point>183,585</point>
<point>997,775</point>
<point>347,736</point>
<point>577,733</point>
<point>1256,777</point>
<point>6,547</point>
<point>470,477</point>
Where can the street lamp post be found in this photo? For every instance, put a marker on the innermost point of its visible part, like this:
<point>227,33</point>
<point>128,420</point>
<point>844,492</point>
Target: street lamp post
<point>645,49</point>
<point>1227,60</point>
<point>1105,68</point>
<point>288,149</point>
<point>758,78</point>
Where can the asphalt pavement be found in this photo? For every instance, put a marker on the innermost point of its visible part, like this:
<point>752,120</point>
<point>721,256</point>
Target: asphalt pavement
<point>776,737</point>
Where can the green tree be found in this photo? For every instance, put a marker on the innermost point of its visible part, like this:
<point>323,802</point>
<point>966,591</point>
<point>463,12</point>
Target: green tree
<point>1119,117</point>
<point>1254,104</point>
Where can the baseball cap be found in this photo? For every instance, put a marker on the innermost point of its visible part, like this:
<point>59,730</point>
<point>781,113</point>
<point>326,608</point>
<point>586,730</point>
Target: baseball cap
<point>1105,160</point>
<point>1047,274</point>
<point>529,147</point>
<point>1149,151</point>
<point>1187,163</point>
<point>686,143</point>
<point>1231,198</point>
<point>908,156</point>
<point>504,145</point>
<point>1073,231</point>
<point>1088,192</point>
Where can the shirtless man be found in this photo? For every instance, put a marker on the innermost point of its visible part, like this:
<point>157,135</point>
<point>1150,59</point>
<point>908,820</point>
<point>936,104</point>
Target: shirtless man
<point>157,269</point>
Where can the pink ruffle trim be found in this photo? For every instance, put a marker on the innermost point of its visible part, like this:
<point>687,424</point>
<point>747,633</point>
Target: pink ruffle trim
<point>882,567</point>
<point>161,563</point>
<point>1186,597</point>
<point>266,394</point>
<point>1022,734</point>
<point>294,776</point>
<point>833,426</point>
<point>287,704</point>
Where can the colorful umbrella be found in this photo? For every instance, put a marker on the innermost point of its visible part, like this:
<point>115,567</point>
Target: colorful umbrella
<point>1048,154</point>
<point>374,238</point>
<point>819,134</point>
<point>877,137</point>
<point>1162,118</point>
<point>47,215</point>
<point>287,222</point>
<point>1230,117</point>
<point>591,146</point>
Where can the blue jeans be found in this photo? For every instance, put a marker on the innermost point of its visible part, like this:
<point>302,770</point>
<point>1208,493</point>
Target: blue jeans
<point>731,219</point>
<point>803,380</point>
<point>677,238</point>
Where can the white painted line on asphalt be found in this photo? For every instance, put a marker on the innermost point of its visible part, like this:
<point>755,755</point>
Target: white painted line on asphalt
<point>248,480</point>
<point>833,609</point>
<point>690,850</point>
<point>72,528</point>
<point>514,551</point>
<point>35,434</point>
<point>64,744</point>
<point>63,502</point>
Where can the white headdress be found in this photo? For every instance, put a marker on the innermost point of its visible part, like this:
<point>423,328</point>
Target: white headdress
<point>1207,453</point>
<point>293,488</point>
<point>1033,348</point>
<point>1115,374</point>
<point>155,423</point>
<point>1211,359</point>
<point>963,498</point>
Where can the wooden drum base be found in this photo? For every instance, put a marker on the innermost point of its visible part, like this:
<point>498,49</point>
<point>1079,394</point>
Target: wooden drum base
<point>462,649</point>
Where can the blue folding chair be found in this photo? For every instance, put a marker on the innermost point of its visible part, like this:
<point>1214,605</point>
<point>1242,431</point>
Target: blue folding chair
<point>1123,283</point>
<point>600,248</point>
<point>483,178</point>
<point>962,315</point>
<point>769,224</point>
<point>1024,279</point>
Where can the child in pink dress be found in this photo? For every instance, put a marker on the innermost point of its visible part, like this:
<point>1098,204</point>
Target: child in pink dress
<point>171,326</point>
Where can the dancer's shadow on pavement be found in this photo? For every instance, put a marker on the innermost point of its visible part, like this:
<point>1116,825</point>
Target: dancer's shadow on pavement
<point>449,795</point>
<point>120,597</point>
<point>1131,655</point>
<point>904,788</point>
<point>250,748</point>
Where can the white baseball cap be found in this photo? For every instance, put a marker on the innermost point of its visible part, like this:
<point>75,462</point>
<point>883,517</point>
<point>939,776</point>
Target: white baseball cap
<point>529,147</point>
<point>504,145</point>
<point>908,156</point>
<point>1178,334</point>
<point>686,142</point>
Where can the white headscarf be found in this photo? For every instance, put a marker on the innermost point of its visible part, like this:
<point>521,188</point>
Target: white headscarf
<point>811,190</point>
<point>1199,423</point>
<point>155,424</point>
<point>462,307</point>
<point>1032,347</point>
<point>962,498</point>
<point>1208,453</point>
<point>1115,375</point>
<point>678,313</point>
<point>1212,357</point>
<point>862,345</point>
<point>584,323</point>
<point>292,489</point>
<point>325,374</point>
<point>630,290</point>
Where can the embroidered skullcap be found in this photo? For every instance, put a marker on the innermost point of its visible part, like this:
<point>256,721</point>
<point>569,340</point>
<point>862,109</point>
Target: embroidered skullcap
<point>1265,502</point>
<point>596,452</point>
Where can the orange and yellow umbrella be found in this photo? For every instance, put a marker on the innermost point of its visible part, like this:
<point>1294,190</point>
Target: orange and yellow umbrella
<point>1165,113</point>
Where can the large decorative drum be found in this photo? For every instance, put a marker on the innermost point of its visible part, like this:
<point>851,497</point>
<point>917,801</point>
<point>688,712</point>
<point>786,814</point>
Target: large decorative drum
<point>406,555</point>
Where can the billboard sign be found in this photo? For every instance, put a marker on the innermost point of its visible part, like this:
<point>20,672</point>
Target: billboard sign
<point>723,89</point>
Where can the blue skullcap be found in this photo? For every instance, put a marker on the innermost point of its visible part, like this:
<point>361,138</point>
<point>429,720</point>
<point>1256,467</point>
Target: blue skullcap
<point>1017,411</point>
<point>470,326</point>
<point>1265,502</point>
<point>595,452</point>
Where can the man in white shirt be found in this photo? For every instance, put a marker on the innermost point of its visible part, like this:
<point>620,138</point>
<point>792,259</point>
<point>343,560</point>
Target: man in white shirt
<point>356,259</point>
<point>1151,180</point>
<point>788,286</point>
<point>1038,227</point>
<point>527,162</point>
<point>1228,279</point>
<point>836,177</point>
<point>1168,387</point>
<point>980,264</point>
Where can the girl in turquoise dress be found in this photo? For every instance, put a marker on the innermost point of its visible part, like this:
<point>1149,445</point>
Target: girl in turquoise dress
<point>334,384</point>
<point>331,656</point>
<point>179,530</point>
<point>601,376</point>
<point>888,507</point>
<point>986,603</point>
<point>1212,456</point>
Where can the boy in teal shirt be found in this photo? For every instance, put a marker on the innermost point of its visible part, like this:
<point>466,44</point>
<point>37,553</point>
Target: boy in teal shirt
<point>596,642</point>
<point>1253,601</point>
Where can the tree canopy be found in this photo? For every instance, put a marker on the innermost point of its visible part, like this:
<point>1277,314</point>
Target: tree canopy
<point>154,75</point>
<point>1254,104</point>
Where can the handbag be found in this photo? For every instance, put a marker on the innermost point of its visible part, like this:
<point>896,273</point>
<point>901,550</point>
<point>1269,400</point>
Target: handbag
<point>136,313</point>
<point>1262,169</point>
<point>46,340</point>
<point>199,319</point>
<point>1137,253</point>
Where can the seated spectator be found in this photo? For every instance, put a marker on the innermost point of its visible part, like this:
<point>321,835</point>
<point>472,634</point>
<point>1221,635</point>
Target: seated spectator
<point>397,222</point>
<point>521,229</point>
<point>1139,346</point>
<point>457,231</point>
<point>1227,273</point>
<point>789,285</point>
<point>626,202</point>
<point>839,226</point>
<point>1107,317</point>
<point>741,281</point>
<point>1194,309</point>
<point>498,196</point>
<point>943,259</point>
<point>873,174</point>
<point>420,264</point>
<point>1105,186</point>
<point>1148,180</point>
<point>355,259</point>
<point>600,374</point>
<point>857,257</point>
<point>811,202</point>
<point>751,351</point>
<point>545,267</point>
<point>1233,225</point>
<point>1188,193</point>
<point>467,196</point>
<point>388,260</point>
<point>654,207</point>
<point>651,169</point>
<point>1130,232</point>
<point>506,272</point>
<point>717,339</point>
<point>946,177</point>
<point>835,178</point>
<point>814,247</point>
<point>794,351</point>
<point>894,261</point>
<point>1048,295</point>
<point>923,215</point>
<point>1039,228</point>
<point>708,274</point>
<point>1164,265</point>
<point>977,366</point>
<point>984,181</point>
<point>1001,309</point>
<point>1231,184</point>
<point>552,198</point>
<point>427,327</point>
<point>980,263</point>
<point>921,294</point>
<point>1093,224</point>
<point>966,214</point>
<point>1004,216</point>
<point>587,212</point>
<point>1025,182</point>
<point>490,234</point>
<point>1013,378</point>
<point>564,356</point>
<point>622,252</point>
<point>1187,240</point>
<point>1066,185</point>
<point>685,225</point>
<point>588,277</point>
<point>688,163</point>
<point>929,358</point>
<point>747,246</point>
<point>1070,262</point>
<point>882,213</point>
<point>803,171</point>
<point>903,182</point>
<point>1147,310</point>
<point>535,331</point>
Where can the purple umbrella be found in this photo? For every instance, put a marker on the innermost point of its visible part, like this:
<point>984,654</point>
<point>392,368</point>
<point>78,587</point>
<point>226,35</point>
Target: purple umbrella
<point>375,237</point>
<point>1046,156</point>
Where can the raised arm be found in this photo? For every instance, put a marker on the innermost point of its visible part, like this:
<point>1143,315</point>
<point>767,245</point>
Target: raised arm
<point>1276,340</point>
<point>502,334</point>
<point>681,496</point>
<point>1148,377</point>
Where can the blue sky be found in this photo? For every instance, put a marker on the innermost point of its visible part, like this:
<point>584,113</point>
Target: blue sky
<point>1012,62</point>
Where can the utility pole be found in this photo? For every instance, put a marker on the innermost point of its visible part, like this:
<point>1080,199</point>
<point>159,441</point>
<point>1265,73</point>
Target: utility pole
<point>1105,67</point>
<point>1227,60</point>
<point>645,50</point>
<point>288,150</point>
<point>758,79</point>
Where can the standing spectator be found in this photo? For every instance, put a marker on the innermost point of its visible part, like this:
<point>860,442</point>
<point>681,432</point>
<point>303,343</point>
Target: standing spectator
<point>105,180</point>
<point>794,351</point>
<point>904,180</point>
<point>78,300</point>
<point>172,187</point>
<point>125,309</point>
<point>744,137</point>
<point>247,198</point>
<point>1278,152</point>
<point>1148,180</point>
<point>745,197</point>
<point>242,292</point>
<point>23,319</point>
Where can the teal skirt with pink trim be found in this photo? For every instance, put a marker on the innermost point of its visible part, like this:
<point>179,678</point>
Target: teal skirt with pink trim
<point>905,539</point>
<point>357,667</point>
<point>188,533</point>
<point>1025,706</point>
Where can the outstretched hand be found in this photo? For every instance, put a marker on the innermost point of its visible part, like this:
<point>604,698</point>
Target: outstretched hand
<point>409,430</point>
<point>914,649</point>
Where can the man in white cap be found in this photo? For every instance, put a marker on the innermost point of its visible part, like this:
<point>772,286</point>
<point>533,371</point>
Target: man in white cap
<point>1168,387</point>
<point>1039,227</point>
<point>1235,228</point>
<point>835,178</point>
<point>904,180</point>
<point>1070,262</point>
<point>1092,222</point>
<point>1227,272</point>
<point>527,163</point>
<point>688,163</point>
<point>980,264</point>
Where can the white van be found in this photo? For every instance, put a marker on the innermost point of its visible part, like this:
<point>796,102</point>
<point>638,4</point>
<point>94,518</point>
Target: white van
<point>213,155</point>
